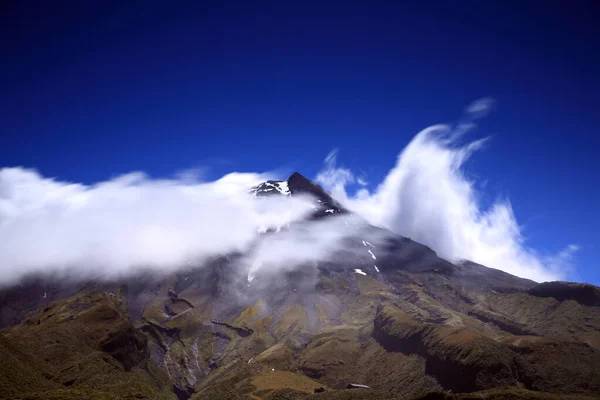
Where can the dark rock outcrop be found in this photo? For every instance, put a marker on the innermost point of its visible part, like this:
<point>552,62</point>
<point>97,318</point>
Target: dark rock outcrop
<point>557,366</point>
<point>127,345</point>
<point>461,360</point>
<point>582,293</point>
<point>240,330</point>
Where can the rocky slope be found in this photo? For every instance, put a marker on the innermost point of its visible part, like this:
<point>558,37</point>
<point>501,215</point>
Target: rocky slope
<point>382,311</point>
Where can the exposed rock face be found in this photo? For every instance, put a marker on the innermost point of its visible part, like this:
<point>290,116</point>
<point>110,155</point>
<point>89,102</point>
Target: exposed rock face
<point>550,365</point>
<point>240,330</point>
<point>588,295</point>
<point>384,311</point>
<point>460,359</point>
<point>127,345</point>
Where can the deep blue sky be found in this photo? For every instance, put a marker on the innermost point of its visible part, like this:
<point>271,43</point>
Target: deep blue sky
<point>97,88</point>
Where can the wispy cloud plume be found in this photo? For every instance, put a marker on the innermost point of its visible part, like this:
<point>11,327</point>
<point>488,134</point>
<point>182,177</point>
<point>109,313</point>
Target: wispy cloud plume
<point>427,197</point>
<point>480,108</point>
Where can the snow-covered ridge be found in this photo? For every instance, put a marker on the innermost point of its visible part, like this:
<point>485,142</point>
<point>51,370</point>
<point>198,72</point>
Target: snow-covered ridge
<point>283,188</point>
<point>270,187</point>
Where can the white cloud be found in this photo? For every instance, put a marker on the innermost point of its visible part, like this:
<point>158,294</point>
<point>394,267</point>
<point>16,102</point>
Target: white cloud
<point>427,197</point>
<point>333,177</point>
<point>480,107</point>
<point>562,263</point>
<point>130,222</point>
<point>304,244</point>
<point>362,181</point>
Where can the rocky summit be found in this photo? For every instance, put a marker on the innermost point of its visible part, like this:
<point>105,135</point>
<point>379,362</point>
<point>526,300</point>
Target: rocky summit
<point>379,317</point>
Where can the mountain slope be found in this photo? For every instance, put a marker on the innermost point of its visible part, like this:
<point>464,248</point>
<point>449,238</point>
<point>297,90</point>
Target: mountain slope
<point>380,310</point>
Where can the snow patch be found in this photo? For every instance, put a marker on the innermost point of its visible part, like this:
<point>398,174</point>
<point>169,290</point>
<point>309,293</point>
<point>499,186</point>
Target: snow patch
<point>331,210</point>
<point>360,271</point>
<point>376,269</point>
<point>372,255</point>
<point>253,269</point>
<point>283,188</point>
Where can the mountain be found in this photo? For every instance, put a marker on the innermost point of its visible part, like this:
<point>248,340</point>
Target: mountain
<point>380,311</point>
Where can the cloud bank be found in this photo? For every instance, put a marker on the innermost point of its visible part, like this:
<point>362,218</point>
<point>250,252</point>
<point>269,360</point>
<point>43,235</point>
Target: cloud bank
<point>130,222</point>
<point>427,197</point>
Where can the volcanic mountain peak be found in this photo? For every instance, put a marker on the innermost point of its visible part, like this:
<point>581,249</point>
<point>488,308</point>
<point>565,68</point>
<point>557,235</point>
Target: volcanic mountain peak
<point>381,311</point>
<point>295,184</point>
<point>298,185</point>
